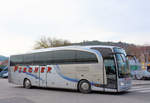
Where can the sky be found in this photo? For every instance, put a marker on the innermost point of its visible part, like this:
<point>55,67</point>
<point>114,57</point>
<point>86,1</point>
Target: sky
<point>23,22</point>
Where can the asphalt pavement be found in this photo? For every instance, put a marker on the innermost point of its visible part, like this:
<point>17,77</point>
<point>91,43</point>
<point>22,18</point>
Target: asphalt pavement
<point>10,93</point>
<point>140,82</point>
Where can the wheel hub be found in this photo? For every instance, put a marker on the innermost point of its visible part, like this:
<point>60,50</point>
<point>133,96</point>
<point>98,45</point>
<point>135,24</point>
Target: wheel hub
<point>85,86</point>
<point>27,83</point>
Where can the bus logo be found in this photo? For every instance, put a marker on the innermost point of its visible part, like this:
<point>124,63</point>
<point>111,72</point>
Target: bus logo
<point>32,70</point>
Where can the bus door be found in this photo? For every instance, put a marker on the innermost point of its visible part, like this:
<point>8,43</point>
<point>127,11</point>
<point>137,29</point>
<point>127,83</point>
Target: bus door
<point>42,77</point>
<point>110,68</point>
<point>111,74</point>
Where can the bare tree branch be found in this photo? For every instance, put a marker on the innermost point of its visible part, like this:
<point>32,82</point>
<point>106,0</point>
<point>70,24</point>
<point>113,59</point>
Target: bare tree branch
<point>47,42</point>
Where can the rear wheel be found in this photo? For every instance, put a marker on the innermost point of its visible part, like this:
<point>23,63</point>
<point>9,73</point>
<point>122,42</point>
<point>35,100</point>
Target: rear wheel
<point>139,77</point>
<point>27,84</point>
<point>84,86</point>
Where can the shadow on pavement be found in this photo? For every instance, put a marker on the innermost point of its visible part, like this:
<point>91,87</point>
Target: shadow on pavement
<point>73,91</point>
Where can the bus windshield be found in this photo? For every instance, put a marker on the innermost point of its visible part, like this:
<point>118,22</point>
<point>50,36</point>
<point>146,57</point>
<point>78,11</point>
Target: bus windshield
<point>123,64</point>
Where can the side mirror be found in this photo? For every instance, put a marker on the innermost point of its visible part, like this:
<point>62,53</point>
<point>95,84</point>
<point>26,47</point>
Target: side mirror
<point>128,55</point>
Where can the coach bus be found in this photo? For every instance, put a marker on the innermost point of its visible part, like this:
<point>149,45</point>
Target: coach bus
<point>83,68</point>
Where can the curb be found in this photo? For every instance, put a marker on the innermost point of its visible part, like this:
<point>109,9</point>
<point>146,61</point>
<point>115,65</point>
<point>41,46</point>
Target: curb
<point>139,84</point>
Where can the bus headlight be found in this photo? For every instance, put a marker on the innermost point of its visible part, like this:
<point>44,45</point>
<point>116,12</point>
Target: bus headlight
<point>122,83</point>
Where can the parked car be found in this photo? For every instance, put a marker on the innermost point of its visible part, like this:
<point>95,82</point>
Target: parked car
<point>4,73</point>
<point>142,74</point>
<point>137,72</point>
<point>135,66</point>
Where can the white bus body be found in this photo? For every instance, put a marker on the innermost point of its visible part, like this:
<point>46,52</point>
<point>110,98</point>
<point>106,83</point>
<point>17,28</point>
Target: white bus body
<point>71,67</point>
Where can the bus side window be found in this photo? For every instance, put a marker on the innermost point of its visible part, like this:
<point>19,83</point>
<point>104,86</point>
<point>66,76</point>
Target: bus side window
<point>16,60</point>
<point>64,57</point>
<point>42,58</point>
<point>28,59</point>
<point>86,57</point>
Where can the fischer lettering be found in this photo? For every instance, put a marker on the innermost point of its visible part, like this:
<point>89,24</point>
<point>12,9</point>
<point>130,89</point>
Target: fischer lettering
<point>31,70</point>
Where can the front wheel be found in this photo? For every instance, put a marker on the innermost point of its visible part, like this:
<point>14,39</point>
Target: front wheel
<point>84,86</point>
<point>27,84</point>
<point>139,77</point>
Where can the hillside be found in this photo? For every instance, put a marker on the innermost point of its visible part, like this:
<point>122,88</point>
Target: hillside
<point>95,42</point>
<point>141,52</point>
<point>2,58</point>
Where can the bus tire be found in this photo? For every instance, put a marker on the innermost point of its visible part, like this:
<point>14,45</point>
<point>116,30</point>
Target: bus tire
<point>84,86</point>
<point>138,77</point>
<point>27,84</point>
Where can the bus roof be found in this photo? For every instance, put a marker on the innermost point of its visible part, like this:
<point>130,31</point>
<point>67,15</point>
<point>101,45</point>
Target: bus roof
<point>74,47</point>
<point>102,46</point>
<point>68,47</point>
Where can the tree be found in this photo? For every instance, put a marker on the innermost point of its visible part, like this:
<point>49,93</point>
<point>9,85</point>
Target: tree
<point>48,42</point>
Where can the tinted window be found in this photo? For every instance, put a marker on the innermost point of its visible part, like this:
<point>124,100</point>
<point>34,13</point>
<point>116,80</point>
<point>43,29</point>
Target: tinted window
<point>6,70</point>
<point>28,59</point>
<point>110,73</point>
<point>43,58</point>
<point>55,57</point>
<point>110,66</point>
<point>106,52</point>
<point>14,60</point>
<point>64,56</point>
<point>49,58</point>
<point>84,57</point>
<point>120,50</point>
